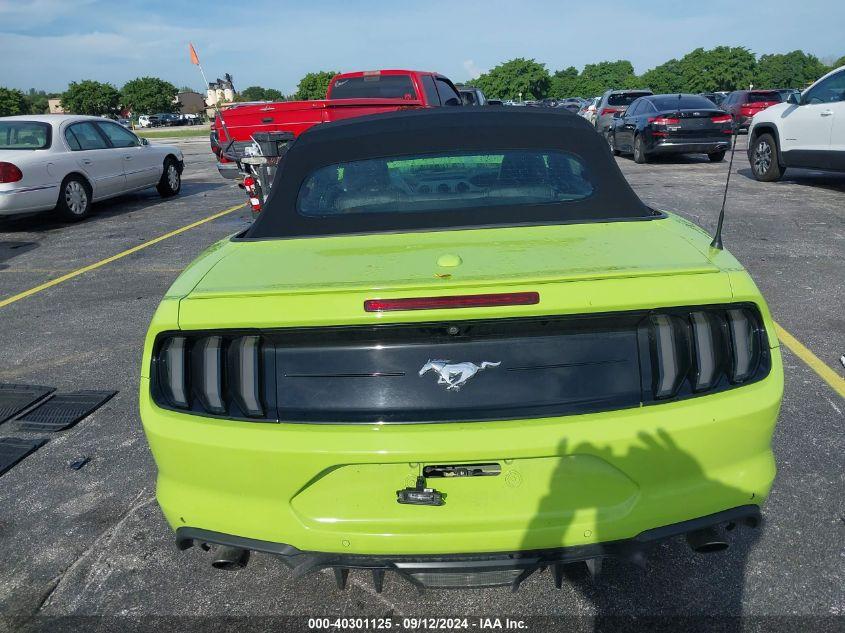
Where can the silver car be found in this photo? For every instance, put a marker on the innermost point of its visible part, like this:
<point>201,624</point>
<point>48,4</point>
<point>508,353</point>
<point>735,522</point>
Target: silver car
<point>614,101</point>
<point>61,162</point>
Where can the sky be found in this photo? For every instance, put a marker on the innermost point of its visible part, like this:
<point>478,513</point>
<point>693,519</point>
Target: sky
<point>47,43</point>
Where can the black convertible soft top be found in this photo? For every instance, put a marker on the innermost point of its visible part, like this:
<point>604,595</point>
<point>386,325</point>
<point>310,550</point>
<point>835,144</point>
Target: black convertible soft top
<point>444,130</point>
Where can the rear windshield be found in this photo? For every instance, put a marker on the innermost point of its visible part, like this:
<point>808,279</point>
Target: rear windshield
<point>374,86</point>
<point>624,98</point>
<point>24,135</point>
<point>444,182</point>
<point>760,97</point>
<point>687,102</point>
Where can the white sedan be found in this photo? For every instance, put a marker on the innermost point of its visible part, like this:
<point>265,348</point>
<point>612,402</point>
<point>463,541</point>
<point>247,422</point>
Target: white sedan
<point>66,162</point>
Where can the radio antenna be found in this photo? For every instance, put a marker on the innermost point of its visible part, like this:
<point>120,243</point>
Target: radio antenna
<point>717,238</point>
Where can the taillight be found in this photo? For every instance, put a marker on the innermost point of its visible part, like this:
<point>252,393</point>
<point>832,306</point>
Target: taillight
<point>608,111</point>
<point>171,372</point>
<point>9,173</point>
<point>251,187</point>
<point>458,301</point>
<point>207,373</point>
<point>215,374</point>
<point>245,374</point>
<point>745,345</point>
<point>703,349</point>
<point>671,363</point>
<point>707,346</point>
<point>727,118</point>
<point>662,120</point>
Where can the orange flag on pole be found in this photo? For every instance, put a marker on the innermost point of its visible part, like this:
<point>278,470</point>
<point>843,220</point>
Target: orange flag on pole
<point>194,59</point>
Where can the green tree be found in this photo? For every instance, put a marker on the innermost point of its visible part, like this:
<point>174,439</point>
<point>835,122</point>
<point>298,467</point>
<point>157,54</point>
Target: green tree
<point>13,102</point>
<point>91,97</point>
<point>314,85</point>
<point>721,68</point>
<point>508,80</point>
<point>596,78</point>
<point>257,93</point>
<point>38,101</point>
<point>666,78</point>
<point>254,93</point>
<point>839,62</point>
<point>789,70</point>
<point>147,95</point>
<point>564,83</point>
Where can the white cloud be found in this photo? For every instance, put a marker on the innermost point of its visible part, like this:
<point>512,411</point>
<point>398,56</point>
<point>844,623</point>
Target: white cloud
<point>40,10</point>
<point>472,69</point>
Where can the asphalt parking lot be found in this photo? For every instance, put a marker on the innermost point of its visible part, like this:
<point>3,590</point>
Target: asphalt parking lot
<point>92,542</point>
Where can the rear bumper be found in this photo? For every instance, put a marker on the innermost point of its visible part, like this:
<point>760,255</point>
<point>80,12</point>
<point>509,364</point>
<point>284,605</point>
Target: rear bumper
<point>484,569</point>
<point>570,481</point>
<point>679,146</point>
<point>229,171</point>
<point>744,122</point>
<point>14,200</point>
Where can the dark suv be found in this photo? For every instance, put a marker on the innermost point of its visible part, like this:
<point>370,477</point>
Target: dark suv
<point>471,96</point>
<point>614,101</point>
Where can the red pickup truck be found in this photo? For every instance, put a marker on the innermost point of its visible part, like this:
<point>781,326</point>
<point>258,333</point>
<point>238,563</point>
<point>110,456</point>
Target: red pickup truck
<point>348,95</point>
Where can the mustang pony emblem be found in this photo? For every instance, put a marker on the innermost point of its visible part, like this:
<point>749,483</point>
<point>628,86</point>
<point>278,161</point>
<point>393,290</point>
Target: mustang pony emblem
<point>454,375</point>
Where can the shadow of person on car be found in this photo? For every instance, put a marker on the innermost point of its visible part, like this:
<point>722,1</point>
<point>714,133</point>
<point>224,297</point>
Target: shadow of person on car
<point>670,587</point>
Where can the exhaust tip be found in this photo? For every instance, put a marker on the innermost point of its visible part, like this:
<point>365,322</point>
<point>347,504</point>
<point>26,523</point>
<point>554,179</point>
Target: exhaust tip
<point>709,548</point>
<point>706,541</point>
<point>230,558</point>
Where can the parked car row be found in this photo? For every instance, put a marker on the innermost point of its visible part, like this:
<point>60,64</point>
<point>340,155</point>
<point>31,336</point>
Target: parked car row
<point>786,128</point>
<point>168,119</point>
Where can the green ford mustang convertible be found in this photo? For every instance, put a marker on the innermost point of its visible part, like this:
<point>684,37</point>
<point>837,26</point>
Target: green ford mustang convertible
<point>457,346</point>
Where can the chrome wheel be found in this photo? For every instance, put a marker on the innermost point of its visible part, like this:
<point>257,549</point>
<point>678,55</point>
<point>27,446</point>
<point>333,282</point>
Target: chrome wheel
<point>762,157</point>
<point>76,198</point>
<point>173,177</point>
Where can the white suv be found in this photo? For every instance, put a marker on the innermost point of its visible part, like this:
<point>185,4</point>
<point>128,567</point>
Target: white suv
<point>806,131</point>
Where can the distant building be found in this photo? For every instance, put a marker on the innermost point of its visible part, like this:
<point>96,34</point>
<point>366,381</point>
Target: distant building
<point>219,92</point>
<point>189,102</point>
<point>55,106</point>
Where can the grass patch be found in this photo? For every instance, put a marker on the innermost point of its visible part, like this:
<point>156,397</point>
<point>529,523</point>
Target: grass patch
<point>193,131</point>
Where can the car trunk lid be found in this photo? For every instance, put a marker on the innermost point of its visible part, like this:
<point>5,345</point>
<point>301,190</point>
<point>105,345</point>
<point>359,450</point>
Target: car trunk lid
<point>450,259</point>
<point>326,281</point>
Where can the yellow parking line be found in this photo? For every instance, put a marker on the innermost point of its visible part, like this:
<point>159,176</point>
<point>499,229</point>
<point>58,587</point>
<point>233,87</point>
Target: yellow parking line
<point>109,260</point>
<point>813,362</point>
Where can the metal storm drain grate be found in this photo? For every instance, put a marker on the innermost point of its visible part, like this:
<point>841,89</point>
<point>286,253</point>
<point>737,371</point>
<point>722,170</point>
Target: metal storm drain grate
<point>64,410</point>
<point>16,398</point>
<point>13,450</point>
